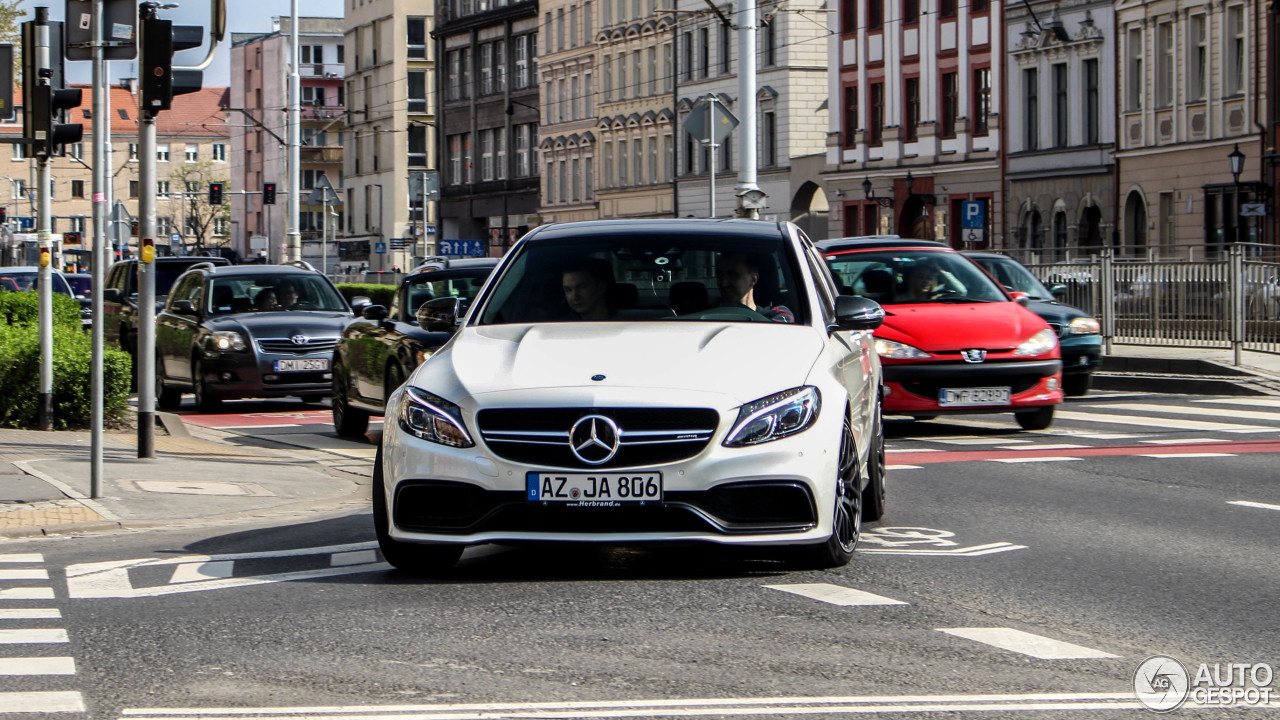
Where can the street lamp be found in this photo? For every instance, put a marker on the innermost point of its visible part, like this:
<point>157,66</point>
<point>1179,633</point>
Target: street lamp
<point>1236,160</point>
<point>867,191</point>
<point>910,182</point>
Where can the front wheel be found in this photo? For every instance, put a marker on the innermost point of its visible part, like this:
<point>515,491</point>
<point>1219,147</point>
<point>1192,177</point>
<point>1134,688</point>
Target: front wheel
<point>347,421</point>
<point>412,558</point>
<point>846,520</point>
<point>206,401</point>
<point>1077,385</point>
<point>1039,419</point>
<point>873,495</point>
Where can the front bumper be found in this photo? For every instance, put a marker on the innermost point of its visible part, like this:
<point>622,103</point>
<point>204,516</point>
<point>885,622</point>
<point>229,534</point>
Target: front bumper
<point>914,388</point>
<point>1081,354</point>
<point>233,375</point>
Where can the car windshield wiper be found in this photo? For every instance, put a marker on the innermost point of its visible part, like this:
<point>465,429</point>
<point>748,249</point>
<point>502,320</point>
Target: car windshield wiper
<point>959,300</point>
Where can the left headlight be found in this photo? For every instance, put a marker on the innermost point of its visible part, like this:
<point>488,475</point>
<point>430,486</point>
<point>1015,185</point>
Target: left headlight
<point>775,417</point>
<point>225,340</point>
<point>1039,344</point>
<point>1084,326</point>
<point>431,418</point>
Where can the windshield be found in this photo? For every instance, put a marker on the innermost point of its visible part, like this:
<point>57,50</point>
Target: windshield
<point>1014,277</point>
<point>463,286</point>
<point>639,279</point>
<point>897,277</point>
<point>273,293</point>
<point>28,281</point>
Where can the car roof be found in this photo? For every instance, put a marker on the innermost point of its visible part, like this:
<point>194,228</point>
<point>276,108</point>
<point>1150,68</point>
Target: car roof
<point>189,259</point>
<point>871,242</point>
<point>25,269</point>
<point>988,255</point>
<point>236,270</point>
<point>671,227</point>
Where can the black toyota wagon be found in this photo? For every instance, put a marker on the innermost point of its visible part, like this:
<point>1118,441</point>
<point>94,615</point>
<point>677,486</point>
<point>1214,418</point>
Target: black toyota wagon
<point>243,331</point>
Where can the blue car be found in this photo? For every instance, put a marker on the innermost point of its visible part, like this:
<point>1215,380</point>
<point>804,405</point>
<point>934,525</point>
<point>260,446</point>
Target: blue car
<point>1078,334</point>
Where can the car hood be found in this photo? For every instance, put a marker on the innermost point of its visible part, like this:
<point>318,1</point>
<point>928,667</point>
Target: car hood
<point>738,360</point>
<point>1054,312</point>
<point>948,327</point>
<point>284,324</point>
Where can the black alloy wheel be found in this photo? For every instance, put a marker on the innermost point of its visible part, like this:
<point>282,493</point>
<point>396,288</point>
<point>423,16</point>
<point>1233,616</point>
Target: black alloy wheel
<point>1077,385</point>
<point>873,495</point>
<point>1039,419</point>
<point>393,381</point>
<point>846,521</point>
<point>206,401</point>
<point>347,421</point>
<point>167,398</point>
<point>412,558</point>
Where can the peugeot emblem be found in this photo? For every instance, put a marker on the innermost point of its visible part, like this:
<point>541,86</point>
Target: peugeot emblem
<point>594,439</point>
<point>299,339</point>
<point>974,356</point>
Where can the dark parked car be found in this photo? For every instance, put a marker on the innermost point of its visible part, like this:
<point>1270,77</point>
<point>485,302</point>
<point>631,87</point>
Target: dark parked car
<point>120,296</point>
<point>1079,336</point>
<point>248,331</point>
<point>379,350</point>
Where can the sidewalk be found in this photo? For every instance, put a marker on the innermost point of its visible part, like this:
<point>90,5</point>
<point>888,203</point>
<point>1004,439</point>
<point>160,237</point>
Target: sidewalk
<point>45,482</point>
<point>1191,371</point>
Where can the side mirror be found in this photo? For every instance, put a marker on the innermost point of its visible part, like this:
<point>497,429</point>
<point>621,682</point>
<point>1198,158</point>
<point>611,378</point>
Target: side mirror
<point>359,303</point>
<point>854,312</point>
<point>184,307</point>
<point>374,312</point>
<point>111,295</point>
<point>1021,298</point>
<point>1057,290</point>
<point>440,315</point>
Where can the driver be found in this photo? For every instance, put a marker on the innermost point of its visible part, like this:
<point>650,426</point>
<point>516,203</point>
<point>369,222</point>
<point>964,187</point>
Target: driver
<point>287,295</point>
<point>737,275</point>
<point>586,287</point>
<point>921,283</point>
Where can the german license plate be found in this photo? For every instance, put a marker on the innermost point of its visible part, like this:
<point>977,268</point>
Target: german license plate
<point>973,397</point>
<point>302,365</point>
<point>594,489</point>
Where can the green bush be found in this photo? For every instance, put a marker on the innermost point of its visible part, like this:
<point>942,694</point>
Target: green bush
<point>72,353</point>
<point>23,308</point>
<point>380,294</point>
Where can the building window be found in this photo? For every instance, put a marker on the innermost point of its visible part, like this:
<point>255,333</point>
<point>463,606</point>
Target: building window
<point>1168,220</point>
<point>500,154</point>
<point>162,152</point>
<point>770,138</point>
<point>910,12</point>
<point>1060,105</point>
<point>946,8</point>
<point>163,187</point>
<point>466,72</point>
<point>522,61</point>
<point>486,155</point>
<point>77,188</point>
<point>416,89</point>
<point>608,78</point>
<point>850,115</point>
<point>219,152</point>
<point>76,150</point>
<point>848,16</point>
<point>1060,229</point>
<point>455,160</point>
<point>560,34</point>
<point>979,6</point>
<point>770,43</point>
<point>453,63</point>
<point>623,90</point>
<point>499,65</point>
<point>1091,107</point>
<point>588,179</point>
<point>653,69</point>
<point>133,152</point>
<point>1031,108</point>
<point>486,69</point>
<point>1164,65</point>
<point>1199,60</point>
<point>704,52</point>
<point>573,29</point>
<point>877,114</point>
<point>637,160</point>
<point>875,14</point>
<point>668,71</point>
<point>575,180</point>
<point>623,148</point>
<point>1134,82</point>
<point>524,149</point>
<point>608,164</point>
<point>653,159</point>
<point>636,88</point>
<point>950,103</point>
<point>981,100</point>
<point>688,56</point>
<point>726,43</point>
<point>564,182</point>
<point>417,145</point>
<point>1236,59</point>
<point>20,151</point>
<point>911,108</point>
<point>193,187</point>
<point>134,189</point>
<point>668,156</point>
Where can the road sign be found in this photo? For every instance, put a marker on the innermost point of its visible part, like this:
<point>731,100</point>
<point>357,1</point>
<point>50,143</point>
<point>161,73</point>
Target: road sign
<point>323,193</point>
<point>431,230</point>
<point>119,18</point>
<point>175,238</point>
<point>461,248</point>
<point>973,214</point>
<point>26,223</point>
<point>380,248</point>
<point>1253,210</point>
<point>424,185</point>
<point>700,120</point>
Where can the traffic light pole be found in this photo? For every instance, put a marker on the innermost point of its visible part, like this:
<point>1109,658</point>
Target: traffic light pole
<point>101,248</point>
<point>44,226</point>
<point>146,285</point>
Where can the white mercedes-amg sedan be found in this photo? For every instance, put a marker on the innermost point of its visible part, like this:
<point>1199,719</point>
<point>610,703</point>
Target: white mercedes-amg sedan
<point>638,382</point>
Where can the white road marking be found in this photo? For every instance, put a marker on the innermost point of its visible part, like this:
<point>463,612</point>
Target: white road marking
<point>1026,643</point>
<point>903,467</point>
<point>1247,503</point>
<point>357,453</point>
<point>836,595</point>
<point>1186,455</point>
<point>969,551</point>
<point>355,557</point>
<point>975,440</point>
<point>254,427</point>
<point>30,614</point>
<point>26,593</point>
<point>1185,441</point>
<point>37,666</point>
<point>909,450</point>
<point>1097,435</point>
<point>1064,446</point>
<point>26,636</point>
<point>41,702</point>
<point>1270,402</point>
<point>196,572</point>
<point>22,558</point>
<point>24,574</point>
<point>1159,422</point>
<point>1194,411</point>
<point>1051,458</point>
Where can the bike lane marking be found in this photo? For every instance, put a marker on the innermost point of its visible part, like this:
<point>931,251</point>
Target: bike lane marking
<point>1235,447</point>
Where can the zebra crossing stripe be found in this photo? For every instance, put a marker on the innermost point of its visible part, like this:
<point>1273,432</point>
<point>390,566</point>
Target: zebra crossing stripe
<point>37,666</point>
<point>903,467</point>
<point>1270,402</point>
<point>22,558</point>
<point>1186,455</point>
<point>1026,643</point>
<point>26,593</point>
<point>24,636</point>
<point>30,614</point>
<point>1051,458</point>
<point>41,702</point>
<point>24,574</point>
<point>1167,423</point>
<point>1195,411</point>
<point>835,594</point>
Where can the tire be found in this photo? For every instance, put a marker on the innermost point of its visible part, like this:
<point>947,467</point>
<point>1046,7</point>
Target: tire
<point>167,398</point>
<point>923,418</point>
<point>1077,385</point>
<point>392,381</point>
<point>311,399</point>
<point>347,421</point>
<point>206,400</point>
<point>1039,419</point>
<point>413,558</point>
<point>127,346</point>
<point>846,522</point>
<point>873,495</point>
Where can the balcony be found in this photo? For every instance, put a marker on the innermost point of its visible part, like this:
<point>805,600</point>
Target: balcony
<point>323,112</point>
<point>321,154</point>
<point>321,70</point>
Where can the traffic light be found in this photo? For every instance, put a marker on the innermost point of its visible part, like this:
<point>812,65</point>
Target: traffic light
<point>48,106</point>
<point>159,40</point>
<point>4,215</point>
<point>215,193</point>
<point>268,193</point>
<point>71,238</point>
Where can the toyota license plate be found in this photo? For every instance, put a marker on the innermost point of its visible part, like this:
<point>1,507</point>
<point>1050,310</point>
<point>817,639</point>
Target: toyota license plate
<point>303,365</point>
<point>973,397</point>
<point>594,489</point>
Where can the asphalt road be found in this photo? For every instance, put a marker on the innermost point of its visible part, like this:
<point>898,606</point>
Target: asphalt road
<point>1016,574</point>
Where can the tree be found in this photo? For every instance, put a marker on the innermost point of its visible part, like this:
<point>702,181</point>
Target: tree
<point>190,196</point>
<point>11,16</point>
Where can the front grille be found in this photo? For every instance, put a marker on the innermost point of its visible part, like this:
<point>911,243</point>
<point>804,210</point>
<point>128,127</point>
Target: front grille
<point>1059,329</point>
<point>298,378</point>
<point>759,504</point>
<point>286,346</point>
<point>648,436</point>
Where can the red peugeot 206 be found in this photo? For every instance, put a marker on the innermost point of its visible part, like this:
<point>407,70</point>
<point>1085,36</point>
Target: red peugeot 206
<point>953,340</point>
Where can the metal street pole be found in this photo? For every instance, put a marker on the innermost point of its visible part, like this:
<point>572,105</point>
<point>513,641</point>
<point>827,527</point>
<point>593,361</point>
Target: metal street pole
<point>146,345</point>
<point>101,173</point>
<point>324,234</point>
<point>747,96</point>
<point>295,132</point>
<point>711,143</point>
<point>44,226</point>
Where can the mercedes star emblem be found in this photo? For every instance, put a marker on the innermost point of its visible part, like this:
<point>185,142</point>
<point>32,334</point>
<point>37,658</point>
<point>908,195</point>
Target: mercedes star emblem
<point>594,439</point>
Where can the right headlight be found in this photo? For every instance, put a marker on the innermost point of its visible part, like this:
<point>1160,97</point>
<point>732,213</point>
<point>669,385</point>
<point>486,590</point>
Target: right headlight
<point>1084,326</point>
<point>775,417</point>
<point>899,351</point>
<point>432,418</point>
